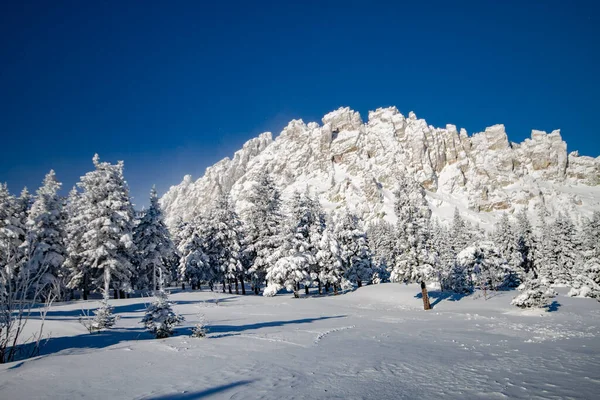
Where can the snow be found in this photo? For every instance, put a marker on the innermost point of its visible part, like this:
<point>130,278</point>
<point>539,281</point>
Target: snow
<point>349,163</point>
<point>376,342</point>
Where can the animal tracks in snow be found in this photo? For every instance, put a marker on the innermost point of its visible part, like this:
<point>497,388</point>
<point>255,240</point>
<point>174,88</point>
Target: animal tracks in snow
<point>323,334</point>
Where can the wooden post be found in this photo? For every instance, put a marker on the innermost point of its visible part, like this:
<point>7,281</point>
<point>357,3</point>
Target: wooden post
<point>426,304</point>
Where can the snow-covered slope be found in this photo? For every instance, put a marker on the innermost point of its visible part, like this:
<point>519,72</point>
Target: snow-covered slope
<point>348,162</point>
<point>374,343</point>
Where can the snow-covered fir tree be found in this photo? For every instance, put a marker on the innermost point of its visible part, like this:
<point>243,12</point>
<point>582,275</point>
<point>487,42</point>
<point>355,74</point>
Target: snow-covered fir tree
<point>484,266</point>
<point>263,229</point>
<point>543,255</point>
<point>506,239</point>
<point>194,264</point>
<point>534,293</point>
<point>526,243</point>
<point>298,264</point>
<point>331,267</point>
<point>562,250</point>
<point>382,240</point>
<point>44,245</point>
<point>459,235</point>
<point>155,249</point>
<point>222,242</point>
<point>416,260</point>
<point>160,319</point>
<point>75,226</point>
<point>12,232</point>
<point>587,283</point>
<point>107,247</point>
<point>354,248</point>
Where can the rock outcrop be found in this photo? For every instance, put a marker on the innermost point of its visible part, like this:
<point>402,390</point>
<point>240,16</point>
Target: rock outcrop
<point>347,162</point>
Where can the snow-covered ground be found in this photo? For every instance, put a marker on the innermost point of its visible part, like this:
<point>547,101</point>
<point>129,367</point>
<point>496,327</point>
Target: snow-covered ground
<point>374,343</point>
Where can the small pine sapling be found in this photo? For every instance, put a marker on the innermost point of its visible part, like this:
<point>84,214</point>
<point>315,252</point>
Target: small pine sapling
<point>160,317</point>
<point>200,329</point>
<point>535,293</point>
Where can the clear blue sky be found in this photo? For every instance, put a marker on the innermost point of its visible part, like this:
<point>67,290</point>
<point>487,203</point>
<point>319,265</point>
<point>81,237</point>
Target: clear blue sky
<point>172,87</point>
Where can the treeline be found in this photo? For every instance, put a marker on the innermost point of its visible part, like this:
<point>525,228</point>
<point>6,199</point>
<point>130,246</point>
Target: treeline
<point>94,241</point>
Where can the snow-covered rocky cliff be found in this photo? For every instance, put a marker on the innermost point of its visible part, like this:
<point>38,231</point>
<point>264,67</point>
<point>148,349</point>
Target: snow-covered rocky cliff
<point>348,162</point>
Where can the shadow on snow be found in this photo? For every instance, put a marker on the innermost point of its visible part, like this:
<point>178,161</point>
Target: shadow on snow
<point>439,296</point>
<point>200,394</point>
<point>231,330</point>
<point>98,340</point>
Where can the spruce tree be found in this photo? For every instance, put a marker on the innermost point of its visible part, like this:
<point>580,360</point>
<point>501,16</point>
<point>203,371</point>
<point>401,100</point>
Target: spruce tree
<point>331,267</point>
<point>526,242</point>
<point>298,263</point>
<point>45,240</point>
<point>416,260</point>
<point>222,242</point>
<point>77,270</point>
<point>107,246</point>
<point>354,249</point>
<point>155,249</point>
<point>12,233</point>
<point>194,264</point>
<point>263,229</point>
<point>506,240</point>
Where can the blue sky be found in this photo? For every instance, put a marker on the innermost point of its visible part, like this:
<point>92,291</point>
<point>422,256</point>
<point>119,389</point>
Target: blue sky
<point>172,87</point>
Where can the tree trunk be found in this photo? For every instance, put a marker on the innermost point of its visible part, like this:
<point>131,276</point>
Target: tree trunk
<point>106,284</point>
<point>426,304</point>
<point>359,283</point>
<point>243,287</point>
<point>229,285</point>
<point>153,277</point>
<point>115,294</point>
<point>296,293</point>
<point>256,289</point>
<point>327,287</point>
<point>182,285</point>
<point>306,289</point>
<point>335,289</point>
<point>122,294</point>
<point>237,286</point>
<point>85,287</point>
<point>320,288</point>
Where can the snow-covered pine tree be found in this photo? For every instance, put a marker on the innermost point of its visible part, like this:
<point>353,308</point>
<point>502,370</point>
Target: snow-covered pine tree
<point>315,233</point>
<point>458,236</point>
<point>544,257</point>
<point>194,264</point>
<point>155,249</point>
<point>587,284</point>
<point>563,250</point>
<point>591,244</point>
<point>263,230</point>
<point>416,260</point>
<point>526,242</point>
<point>78,271</point>
<point>298,263</point>
<point>484,265</point>
<point>160,319</point>
<point>382,240</point>
<point>12,233</point>
<point>506,240</point>
<point>24,203</point>
<point>535,293</point>
<point>44,244</point>
<point>331,268</point>
<point>223,236</point>
<point>107,245</point>
<point>354,248</point>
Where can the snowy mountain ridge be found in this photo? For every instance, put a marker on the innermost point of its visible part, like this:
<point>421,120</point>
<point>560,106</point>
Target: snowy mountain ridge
<point>348,162</point>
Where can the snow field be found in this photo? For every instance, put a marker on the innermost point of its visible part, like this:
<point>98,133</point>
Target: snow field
<point>376,342</point>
